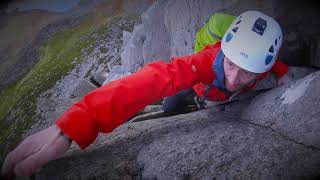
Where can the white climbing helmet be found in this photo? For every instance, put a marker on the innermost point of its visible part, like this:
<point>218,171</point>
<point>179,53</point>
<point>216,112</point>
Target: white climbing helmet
<point>252,41</point>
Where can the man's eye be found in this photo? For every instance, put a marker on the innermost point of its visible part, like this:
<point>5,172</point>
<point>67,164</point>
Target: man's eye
<point>230,63</point>
<point>249,74</point>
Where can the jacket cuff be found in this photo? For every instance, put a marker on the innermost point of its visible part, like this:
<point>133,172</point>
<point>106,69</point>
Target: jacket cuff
<point>77,124</point>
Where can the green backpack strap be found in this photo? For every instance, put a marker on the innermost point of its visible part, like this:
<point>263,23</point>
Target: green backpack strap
<point>213,30</point>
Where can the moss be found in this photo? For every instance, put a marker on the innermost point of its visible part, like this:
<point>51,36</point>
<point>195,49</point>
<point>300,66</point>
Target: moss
<point>18,102</point>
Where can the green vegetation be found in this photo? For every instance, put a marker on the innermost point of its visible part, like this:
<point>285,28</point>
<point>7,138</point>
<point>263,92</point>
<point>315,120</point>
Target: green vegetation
<point>18,102</point>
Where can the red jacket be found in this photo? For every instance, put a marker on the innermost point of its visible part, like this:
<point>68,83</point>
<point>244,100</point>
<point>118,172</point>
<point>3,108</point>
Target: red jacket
<point>107,107</point>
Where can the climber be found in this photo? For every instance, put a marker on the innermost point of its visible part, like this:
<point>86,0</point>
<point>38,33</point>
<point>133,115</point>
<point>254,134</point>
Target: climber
<point>221,90</point>
<point>245,55</point>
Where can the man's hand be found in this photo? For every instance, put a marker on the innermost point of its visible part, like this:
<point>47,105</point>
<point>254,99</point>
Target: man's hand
<point>284,80</point>
<point>34,152</point>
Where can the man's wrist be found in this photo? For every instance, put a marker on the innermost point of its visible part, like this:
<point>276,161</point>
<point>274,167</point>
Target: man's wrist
<point>63,135</point>
<point>66,137</point>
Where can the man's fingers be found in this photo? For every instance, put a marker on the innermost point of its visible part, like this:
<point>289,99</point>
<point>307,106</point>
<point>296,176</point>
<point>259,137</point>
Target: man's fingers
<point>47,153</point>
<point>27,148</point>
<point>28,166</point>
<point>24,150</point>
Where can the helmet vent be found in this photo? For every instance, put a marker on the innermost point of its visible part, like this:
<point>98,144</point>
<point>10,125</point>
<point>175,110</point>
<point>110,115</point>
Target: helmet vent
<point>268,59</point>
<point>238,22</point>
<point>235,29</point>
<point>229,37</point>
<point>271,49</point>
<point>276,42</point>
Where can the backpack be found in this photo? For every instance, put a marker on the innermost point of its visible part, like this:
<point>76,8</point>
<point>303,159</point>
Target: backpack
<point>213,30</point>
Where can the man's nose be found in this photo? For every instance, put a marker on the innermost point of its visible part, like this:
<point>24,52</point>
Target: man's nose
<point>234,77</point>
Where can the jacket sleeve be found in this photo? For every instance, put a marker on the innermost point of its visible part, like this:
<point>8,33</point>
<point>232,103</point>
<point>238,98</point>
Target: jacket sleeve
<point>279,68</point>
<point>107,107</point>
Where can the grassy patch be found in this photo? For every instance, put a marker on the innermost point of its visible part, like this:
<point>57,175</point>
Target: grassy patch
<point>18,102</point>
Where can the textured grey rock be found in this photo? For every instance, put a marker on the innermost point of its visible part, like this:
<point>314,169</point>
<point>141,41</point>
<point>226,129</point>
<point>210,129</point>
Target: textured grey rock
<point>157,38</point>
<point>294,73</point>
<point>101,75</point>
<point>225,150</point>
<point>292,110</point>
<point>211,144</point>
<point>132,58</point>
<point>126,36</point>
<point>83,88</point>
<point>181,26</point>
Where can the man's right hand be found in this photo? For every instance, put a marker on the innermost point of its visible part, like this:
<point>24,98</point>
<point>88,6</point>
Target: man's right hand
<point>34,152</point>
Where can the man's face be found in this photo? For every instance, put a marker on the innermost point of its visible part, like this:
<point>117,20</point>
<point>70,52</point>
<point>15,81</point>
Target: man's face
<point>236,77</point>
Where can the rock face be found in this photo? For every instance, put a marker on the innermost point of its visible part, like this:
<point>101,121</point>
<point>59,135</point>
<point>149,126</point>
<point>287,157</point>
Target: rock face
<point>170,28</point>
<point>273,136</point>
